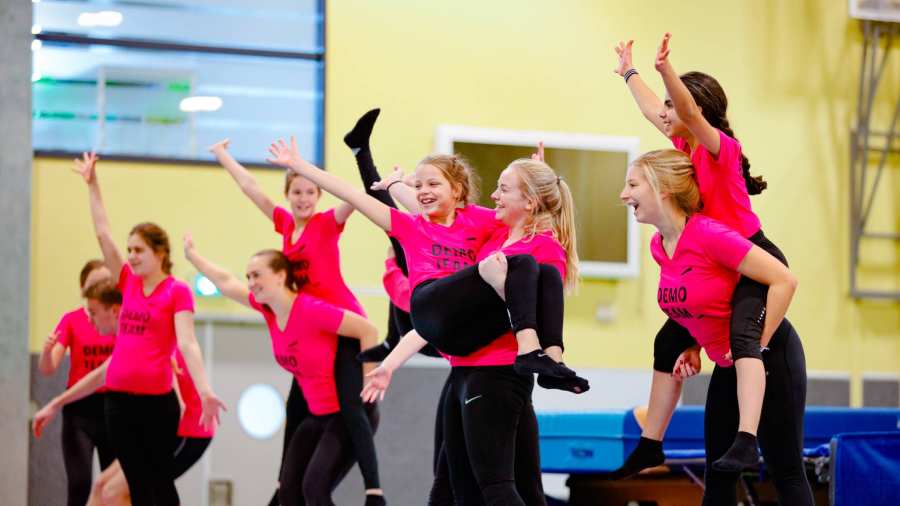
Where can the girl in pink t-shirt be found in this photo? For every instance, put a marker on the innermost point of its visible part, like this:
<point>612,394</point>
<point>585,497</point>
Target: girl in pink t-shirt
<point>439,242</point>
<point>156,315</point>
<point>700,262</point>
<point>532,204</point>
<point>83,422</point>
<point>694,117</point>
<point>104,302</point>
<point>304,335</point>
<point>309,239</point>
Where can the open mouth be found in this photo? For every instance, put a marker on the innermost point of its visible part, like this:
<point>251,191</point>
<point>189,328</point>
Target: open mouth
<point>427,201</point>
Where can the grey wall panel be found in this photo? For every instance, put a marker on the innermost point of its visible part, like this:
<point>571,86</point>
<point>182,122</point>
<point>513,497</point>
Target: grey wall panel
<point>15,248</point>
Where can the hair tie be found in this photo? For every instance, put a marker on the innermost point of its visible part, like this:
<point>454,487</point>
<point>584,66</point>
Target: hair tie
<point>558,179</point>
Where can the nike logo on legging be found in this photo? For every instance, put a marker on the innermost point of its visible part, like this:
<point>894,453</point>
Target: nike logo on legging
<point>473,398</point>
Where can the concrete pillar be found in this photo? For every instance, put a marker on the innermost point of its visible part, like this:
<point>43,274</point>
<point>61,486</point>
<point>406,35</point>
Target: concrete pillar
<point>15,245</point>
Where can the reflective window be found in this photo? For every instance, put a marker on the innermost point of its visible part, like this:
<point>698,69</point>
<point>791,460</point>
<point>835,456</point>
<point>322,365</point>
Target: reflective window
<point>167,79</point>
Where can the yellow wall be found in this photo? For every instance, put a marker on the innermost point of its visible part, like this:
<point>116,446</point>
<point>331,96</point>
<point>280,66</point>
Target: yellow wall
<point>790,70</point>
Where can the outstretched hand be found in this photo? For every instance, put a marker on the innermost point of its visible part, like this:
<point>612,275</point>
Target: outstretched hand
<point>623,49</point>
<point>379,381</point>
<point>662,54</point>
<point>212,405</point>
<point>393,177</point>
<point>43,417</point>
<point>188,244</point>
<point>283,154</point>
<point>220,146</point>
<point>539,156</point>
<point>85,166</point>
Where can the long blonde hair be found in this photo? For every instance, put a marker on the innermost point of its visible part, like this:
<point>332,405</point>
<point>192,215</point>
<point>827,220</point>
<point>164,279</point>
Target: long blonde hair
<point>553,210</point>
<point>671,171</point>
<point>458,172</point>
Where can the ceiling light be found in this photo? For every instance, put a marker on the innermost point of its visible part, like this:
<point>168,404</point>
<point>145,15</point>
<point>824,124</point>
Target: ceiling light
<point>102,18</point>
<point>201,104</point>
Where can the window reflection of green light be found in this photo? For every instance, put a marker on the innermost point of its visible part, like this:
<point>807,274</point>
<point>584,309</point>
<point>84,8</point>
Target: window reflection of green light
<point>180,87</point>
<point>112,118</point>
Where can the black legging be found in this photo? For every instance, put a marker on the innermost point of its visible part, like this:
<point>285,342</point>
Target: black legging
<point>748,311</point>
<point>441,493</point>
<point>348,379</point>
<point>780,426</point>
<point>491,438</point>
<point>142,430</point>
<point>399,322</point>
<point>460,313</point>
<point>188,451</point>
<point>318,457</point>
<point>83,429</point>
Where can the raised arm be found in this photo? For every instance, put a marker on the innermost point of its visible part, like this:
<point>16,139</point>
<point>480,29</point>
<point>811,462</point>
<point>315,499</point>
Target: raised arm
<point>190,350</point>
<point>762,267</point>
<point>647,101</point>
<point>685,106</point>
<point>51,354</point>
<point>228,284</point>
<point>243,178</point>
<point>84,387</point>
<point>288,156</point>
<point>87,168</point>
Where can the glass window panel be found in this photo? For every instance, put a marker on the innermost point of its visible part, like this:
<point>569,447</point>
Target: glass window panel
<point>140,91</point>
<point>284,25</point>
<point>594,178</point>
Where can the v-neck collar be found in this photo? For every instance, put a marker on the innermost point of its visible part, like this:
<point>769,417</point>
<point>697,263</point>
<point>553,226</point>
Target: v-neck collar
<point>287,323</point>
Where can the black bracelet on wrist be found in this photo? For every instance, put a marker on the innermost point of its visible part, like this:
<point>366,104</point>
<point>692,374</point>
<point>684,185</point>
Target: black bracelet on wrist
<point>388,189</point>
<point>630,72</point>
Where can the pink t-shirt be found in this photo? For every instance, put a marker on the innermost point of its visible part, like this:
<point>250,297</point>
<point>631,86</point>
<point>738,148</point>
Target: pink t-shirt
<point>434,251</point>
<point>193,406</point>
<point>697,283</point>
<point>141,360</point>
<point>723,189</point>
<point>316,257</point>
<point>546,250</point>
<point>396,284</point>
<point>87,348</point>
<point>307,347</point>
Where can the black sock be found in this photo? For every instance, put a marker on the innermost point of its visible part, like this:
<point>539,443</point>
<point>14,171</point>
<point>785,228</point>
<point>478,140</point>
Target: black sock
<point>376,353</point>
<point>539,362</point>
<point>741,455</point>
<point>375,500</point>
<point>648,453</point>
<point>575,384</point>
<point>358,138</point>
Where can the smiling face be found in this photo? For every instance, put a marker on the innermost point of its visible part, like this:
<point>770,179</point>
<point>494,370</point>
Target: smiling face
<point>672,124</point>
<point>638,194</point>
<point>142,259</point>
<point>511,204</point>
<point>437,197</point>
<point>303,195</point>
<point>263,282</point>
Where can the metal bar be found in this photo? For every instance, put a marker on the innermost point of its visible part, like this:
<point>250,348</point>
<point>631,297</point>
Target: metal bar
<point>870,99</point>
<point>66,38</point>
<point>876,294</point>
<point>881,164</point>
<point>882,235</point>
